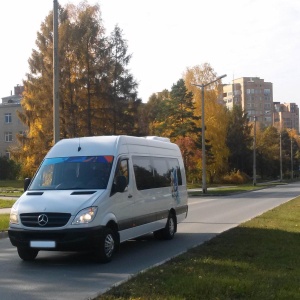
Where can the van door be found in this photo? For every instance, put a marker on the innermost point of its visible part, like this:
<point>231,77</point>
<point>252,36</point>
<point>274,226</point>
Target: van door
<point>123,201</point>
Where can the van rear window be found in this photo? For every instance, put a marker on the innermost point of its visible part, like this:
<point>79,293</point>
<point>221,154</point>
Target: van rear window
<point>156,172</point>
<point>78,172</point>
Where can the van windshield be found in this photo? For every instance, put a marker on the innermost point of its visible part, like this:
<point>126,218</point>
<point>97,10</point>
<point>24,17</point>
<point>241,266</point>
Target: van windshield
<point>72,173</point>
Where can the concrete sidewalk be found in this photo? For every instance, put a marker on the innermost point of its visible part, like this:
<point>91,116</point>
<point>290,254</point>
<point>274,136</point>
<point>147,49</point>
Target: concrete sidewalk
<point>4,211</point>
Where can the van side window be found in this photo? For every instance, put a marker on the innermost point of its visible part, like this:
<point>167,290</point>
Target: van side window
<point>122,171</point>
<point>174,167</point>
<point>143,172</point>
<point>156,172</point>
<point>160,167</point>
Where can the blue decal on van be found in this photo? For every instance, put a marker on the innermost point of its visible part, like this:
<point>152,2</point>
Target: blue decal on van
<point>174,184</point>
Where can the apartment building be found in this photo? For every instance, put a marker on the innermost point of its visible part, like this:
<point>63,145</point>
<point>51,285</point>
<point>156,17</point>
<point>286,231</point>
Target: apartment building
<point>10,124</point>
<point>254,95</point>
<point>286,116</point>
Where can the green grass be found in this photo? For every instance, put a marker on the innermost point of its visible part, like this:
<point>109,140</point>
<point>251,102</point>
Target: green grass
<point>256,260</point>
<point>12,183</point>
<point>4,221</point>
<point>12,188</point>
<point>4,218</point>
<point>6,203</point>
<point>230,189</point>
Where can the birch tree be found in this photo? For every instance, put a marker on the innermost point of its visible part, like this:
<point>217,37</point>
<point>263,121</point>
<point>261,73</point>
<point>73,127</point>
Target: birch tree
<point>216,121</point>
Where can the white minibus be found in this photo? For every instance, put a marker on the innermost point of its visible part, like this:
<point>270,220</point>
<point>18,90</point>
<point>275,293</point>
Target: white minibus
<point>93,193</point>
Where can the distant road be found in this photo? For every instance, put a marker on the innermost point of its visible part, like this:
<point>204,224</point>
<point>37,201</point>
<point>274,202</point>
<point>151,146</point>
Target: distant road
<point>63,275</point>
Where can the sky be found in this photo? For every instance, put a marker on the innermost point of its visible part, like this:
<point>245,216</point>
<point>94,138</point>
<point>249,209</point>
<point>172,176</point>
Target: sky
<point>240,38</point>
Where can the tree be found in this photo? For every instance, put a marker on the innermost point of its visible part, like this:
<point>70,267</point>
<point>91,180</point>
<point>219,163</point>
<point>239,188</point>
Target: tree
<point>291,154</point>
<point>122,93</point>
<point>267,152</point>
<point>191,154</point>
<point>153,109</point>
<point>176,117</point>
<point>97,93</point>
<point>239,140</point>
<point>215,118</point>
<point>83,61</point>
<point>9,169</point>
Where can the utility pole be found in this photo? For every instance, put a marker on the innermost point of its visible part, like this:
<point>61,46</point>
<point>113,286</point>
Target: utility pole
<point>280,149</point>
<point>202,86</point>
<point>280,155</point>
<point>292,164</point>
<point>56,129</point>
<point>254,153</point>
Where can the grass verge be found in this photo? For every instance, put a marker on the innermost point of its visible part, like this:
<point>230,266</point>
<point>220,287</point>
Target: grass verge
<point>231,189</point>
<point>256,260</point>
<point>12,188</point>
<point>4,221</point>
<point>6,203</point>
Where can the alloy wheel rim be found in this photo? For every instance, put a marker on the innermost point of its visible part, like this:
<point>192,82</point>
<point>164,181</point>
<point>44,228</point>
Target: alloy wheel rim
<point>171,226</point>
<point>109,245</point>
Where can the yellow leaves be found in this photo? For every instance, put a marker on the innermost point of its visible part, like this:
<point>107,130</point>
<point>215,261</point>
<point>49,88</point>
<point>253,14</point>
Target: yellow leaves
<point>216,121</point>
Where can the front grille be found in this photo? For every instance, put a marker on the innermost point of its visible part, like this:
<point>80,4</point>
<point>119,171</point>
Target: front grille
<point>48,219</point>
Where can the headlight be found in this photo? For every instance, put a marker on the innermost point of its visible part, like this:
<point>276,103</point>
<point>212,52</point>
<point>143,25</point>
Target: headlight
<point>85,216</point>
<point>13,218</point>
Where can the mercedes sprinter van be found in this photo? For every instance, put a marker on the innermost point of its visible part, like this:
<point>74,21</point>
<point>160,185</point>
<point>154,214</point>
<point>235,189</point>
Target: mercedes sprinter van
<point>93,193</point>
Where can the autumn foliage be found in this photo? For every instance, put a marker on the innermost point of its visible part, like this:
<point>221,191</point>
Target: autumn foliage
<point>98,96</point>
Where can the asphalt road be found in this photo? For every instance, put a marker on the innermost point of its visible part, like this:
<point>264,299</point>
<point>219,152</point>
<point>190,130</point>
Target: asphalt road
<point>63,275</point>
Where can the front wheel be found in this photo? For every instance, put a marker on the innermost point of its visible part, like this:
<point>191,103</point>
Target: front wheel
<point>105,250</point>
<point>27,254</point>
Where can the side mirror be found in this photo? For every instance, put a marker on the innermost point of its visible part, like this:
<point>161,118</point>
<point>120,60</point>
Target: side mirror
<point>121,183</point>
<point>26,183</point>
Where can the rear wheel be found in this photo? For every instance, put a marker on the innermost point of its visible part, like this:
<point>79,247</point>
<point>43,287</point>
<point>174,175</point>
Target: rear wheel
<point>105,250</point>
<point>27,254</point>
<point>158,234</point>
<point>168,232</point>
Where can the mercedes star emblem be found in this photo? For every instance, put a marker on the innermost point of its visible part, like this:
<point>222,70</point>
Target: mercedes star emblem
<point>42,220</point>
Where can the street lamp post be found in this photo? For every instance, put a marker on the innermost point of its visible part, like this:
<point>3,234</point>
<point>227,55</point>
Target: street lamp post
<point>202,86</point>
<point>56,129</point>
<point>280,154</point>
<point>254,153</point>
<point>292,163</point>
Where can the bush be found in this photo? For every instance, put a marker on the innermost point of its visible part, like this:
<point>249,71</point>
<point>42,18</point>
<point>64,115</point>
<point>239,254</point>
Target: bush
<point>9,169</point>
<point>235,177</point>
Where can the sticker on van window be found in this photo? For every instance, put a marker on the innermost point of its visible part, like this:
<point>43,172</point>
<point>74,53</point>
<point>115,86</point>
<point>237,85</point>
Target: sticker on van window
<point>100,159</point>
<point>174,185</point>
<point>73,159</point>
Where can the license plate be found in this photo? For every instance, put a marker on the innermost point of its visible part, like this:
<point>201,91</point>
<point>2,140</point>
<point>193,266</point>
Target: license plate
<point>42,244</point>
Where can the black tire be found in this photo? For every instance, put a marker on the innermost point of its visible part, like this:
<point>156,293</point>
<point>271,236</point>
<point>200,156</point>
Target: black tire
<point>171,227</point>
<point>105,250</point>
<point>158,234</point>
<point>27,254</point>
<point>168,232</point>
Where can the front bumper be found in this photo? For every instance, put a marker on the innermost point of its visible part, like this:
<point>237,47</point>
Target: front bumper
<point>79,239</point>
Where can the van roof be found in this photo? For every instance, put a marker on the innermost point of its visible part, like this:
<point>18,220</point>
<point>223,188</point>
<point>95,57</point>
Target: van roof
<point>110,145</point>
